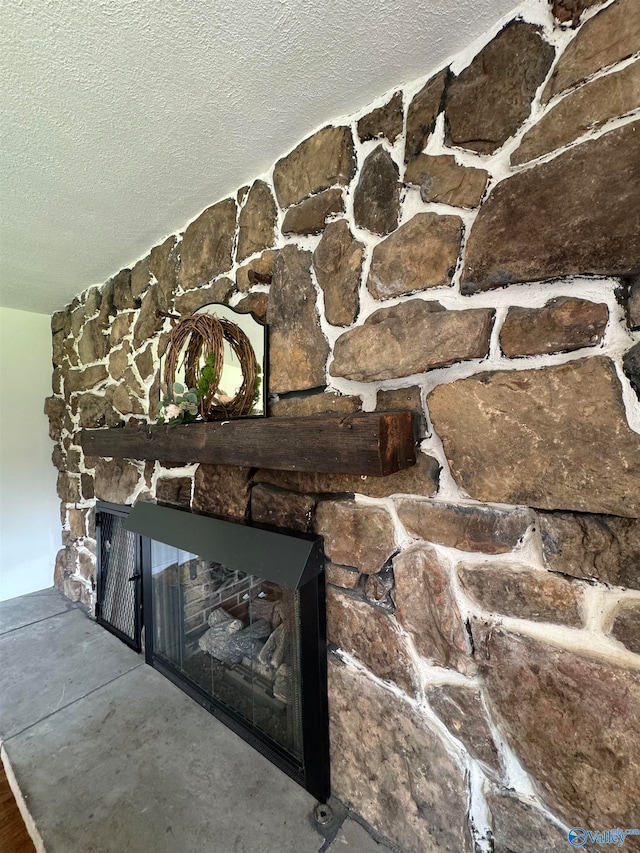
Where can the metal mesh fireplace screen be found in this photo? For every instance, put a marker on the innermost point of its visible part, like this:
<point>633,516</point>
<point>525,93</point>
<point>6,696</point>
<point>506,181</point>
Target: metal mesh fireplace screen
<point>118,579</point>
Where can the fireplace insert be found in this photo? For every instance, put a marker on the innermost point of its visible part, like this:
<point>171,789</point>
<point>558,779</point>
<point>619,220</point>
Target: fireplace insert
<point>234,615</point>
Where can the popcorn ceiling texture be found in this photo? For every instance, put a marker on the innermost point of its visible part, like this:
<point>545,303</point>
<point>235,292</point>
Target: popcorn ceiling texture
<point>482,605</point>
<point>122,119</point>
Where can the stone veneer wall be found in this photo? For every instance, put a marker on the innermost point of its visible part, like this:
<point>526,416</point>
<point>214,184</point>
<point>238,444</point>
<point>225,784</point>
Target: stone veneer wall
<point>466,247</point>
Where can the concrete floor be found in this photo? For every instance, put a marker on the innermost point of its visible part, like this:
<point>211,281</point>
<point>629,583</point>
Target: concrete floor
<point>110,756</point>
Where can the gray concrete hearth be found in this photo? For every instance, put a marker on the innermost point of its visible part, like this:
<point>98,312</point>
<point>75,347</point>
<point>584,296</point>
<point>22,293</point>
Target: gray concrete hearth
<point>111,756</point>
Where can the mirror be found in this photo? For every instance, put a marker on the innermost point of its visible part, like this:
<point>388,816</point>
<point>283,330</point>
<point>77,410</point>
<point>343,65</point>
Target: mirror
<point>214,367</point>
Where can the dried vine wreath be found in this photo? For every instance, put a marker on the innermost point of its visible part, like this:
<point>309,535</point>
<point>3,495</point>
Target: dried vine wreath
<point>203,334</point>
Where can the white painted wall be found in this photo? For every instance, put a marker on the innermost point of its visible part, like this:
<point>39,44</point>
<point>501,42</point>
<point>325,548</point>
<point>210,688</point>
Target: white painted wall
<point>29,512</point>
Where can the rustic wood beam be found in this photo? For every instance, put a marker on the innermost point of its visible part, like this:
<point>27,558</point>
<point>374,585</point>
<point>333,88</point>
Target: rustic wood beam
<point>374,443</point>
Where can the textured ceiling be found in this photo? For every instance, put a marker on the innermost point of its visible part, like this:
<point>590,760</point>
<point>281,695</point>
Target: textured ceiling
<point>123,119</point>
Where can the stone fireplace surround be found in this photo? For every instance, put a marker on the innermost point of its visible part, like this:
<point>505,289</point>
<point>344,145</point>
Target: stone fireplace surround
<point>466,247</point>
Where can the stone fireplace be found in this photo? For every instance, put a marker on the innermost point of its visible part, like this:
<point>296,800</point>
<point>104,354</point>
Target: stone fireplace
<point>467,248</point>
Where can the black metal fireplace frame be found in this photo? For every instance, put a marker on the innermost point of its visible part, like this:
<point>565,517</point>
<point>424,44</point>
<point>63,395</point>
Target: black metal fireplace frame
<point>313,771</point>
<point>120,511</point>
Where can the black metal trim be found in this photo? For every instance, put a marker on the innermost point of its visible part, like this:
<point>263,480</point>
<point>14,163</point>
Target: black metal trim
<point>288,559</point>
<point>313,671</point>
<point>147,598</point>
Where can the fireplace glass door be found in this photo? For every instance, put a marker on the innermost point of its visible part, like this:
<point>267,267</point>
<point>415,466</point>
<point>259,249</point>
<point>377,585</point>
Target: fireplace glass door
<point>234,615</point>
<point>232,637</point>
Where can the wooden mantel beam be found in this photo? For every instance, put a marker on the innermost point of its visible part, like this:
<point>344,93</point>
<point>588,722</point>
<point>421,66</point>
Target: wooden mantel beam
<point>373,443</point>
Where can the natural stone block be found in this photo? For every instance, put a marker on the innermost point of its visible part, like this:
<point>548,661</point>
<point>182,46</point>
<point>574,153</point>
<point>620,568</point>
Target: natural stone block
<point>77,321</point>
<point>145,363</point>
<point>174,490</point>
<point>120,327</point>
<point>515,239</point>
<point>119,361</point>
<point>323,160</point>
<point>442,180</point>
<point>75,590</point>
<point>73,459</point>
<point>421,479</point>
<point>632,307</point>
<point>315,404</point>
<point>221,490</point>
<point>337,261</point>
<point>219,291</point>
<point>589,769</point>
<point>93,344</point>
<point>376,200</point>
<point>422,253</point>
<point>115,480</point>
<point>96,412</point>
<point>517,826</point>
<point>581,111</point>
<point>66,564</point>
<point>462,711</point>
<point>542,451</point>
<point>370,635</point>
<point>77,523</point>
<point>398,399</point>
<point>82,380</point>
<point>523,593</point>
<point>256,223</point>
<point>123,401</point>
<point>422,113</point>
<point>288,510</point>
<point>609,37</point>
<point>164,263</point>
<point>68,487</point>
<point>150,320</point>
<point>339,576</point>
<point>140,277</point>
<point>427,609</point>
<point>58,319</point>
<point>489,529</point>
<point>310,215</point>
<point>107,307</point>
<point>385,121</point>
<point>399,777</point>
<point>92,301</point>
<point>254,303</point>
<point>69,353</point>
<point>207,245</point>
<point>87,486</point>
<point>87,567</point>
<point>298,349</point>
<point>592,546</point>
<point>57,348</point>
<point>631,367</point>
<point>58,458</point>
<point>57,379</point>
<point>562,325</point>
<point>489,100</point>
<point>626,625</point>
<point>257,271</point>
<point>355,535</point>
<point>122,296</point>
<point>409,338</point>
<point>377,587</point>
